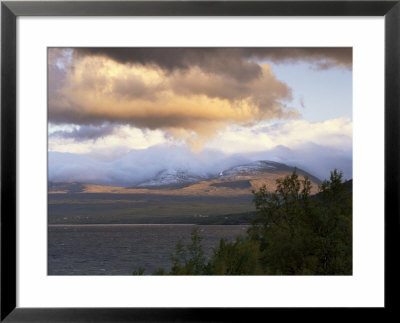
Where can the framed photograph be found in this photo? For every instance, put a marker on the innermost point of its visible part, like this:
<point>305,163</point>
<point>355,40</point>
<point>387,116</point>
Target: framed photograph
<point>190,160</point>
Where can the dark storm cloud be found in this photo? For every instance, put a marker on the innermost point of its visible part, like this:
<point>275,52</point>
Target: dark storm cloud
<point>321,57</point>
<point>235,62</point>
<point>226,61</point>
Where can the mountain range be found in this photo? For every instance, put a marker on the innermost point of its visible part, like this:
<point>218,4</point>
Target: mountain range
<point>237,180</point>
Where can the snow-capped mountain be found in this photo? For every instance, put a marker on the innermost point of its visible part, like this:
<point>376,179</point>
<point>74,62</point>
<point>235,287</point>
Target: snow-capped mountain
<point>180,177</point>
<point>253,168</point>
<point>239,179</point>
<point>260,167</point>
<point>169,177</point>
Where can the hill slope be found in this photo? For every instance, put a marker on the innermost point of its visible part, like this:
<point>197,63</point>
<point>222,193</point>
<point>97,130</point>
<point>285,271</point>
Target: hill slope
<point>238,180</point>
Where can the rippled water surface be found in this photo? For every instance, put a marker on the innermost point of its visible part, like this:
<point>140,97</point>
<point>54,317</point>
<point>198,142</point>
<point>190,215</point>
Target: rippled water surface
<point>119,249</point>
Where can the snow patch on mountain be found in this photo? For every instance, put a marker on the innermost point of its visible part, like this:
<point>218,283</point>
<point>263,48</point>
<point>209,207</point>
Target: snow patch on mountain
<point>171,177</point>
<point>252,168</point>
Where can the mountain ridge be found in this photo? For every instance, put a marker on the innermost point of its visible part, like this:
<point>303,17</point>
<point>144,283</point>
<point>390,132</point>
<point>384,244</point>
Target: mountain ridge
<point>240,179</point>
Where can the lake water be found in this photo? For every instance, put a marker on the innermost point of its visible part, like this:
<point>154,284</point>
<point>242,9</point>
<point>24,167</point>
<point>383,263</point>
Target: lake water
<point>119,249</point>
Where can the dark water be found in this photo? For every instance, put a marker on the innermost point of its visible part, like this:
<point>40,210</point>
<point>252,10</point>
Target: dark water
<point>119,249</point>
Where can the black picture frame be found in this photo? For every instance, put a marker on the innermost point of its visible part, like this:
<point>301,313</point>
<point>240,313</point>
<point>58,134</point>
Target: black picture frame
<point>10,10</point>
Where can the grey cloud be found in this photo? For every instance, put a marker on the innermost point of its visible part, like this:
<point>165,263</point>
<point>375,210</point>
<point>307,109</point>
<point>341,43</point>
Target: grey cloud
<point>264,91</point>
<point>86,132</point>
<point>226,61</point>
<point>321,57</point>
<point>234,62</point>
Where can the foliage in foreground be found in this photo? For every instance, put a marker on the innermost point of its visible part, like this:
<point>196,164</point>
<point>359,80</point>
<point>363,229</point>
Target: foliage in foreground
<point>293,233</point>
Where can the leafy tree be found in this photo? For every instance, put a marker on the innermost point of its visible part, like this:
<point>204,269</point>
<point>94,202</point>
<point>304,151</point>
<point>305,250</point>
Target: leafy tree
<point>280,225</point>
<point>160,272</point>
<point>236,258</point>
<point>303,234</point>
<point>189,261</point>
<point>335,232</point>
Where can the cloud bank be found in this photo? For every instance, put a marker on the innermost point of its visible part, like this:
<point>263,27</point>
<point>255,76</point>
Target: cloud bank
<point>189,93</point>
<point>142,165</point>
<point>317,147</point>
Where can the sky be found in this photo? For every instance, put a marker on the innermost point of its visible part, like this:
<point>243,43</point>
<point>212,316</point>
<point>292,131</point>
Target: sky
<point>118,116</point>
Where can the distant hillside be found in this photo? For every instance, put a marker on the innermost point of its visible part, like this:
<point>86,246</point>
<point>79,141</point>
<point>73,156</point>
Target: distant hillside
<point>72,187</point>
<point>238,180</point>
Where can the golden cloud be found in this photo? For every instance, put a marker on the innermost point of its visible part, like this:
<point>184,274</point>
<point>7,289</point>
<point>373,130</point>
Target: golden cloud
<point>189,104</point>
